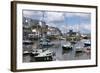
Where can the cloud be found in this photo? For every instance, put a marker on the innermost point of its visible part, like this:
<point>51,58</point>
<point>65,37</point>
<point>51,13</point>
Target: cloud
<point>85,28</point>
<point>44,15</point>
<point>82,15</point>
<point>63,21</point>
<point>32,14</point>
<point>54,16</point>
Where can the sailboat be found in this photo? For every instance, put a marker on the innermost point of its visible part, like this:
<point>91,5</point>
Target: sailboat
<point>42,53</point>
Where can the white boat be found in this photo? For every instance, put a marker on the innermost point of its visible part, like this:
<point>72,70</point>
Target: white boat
<point>46,55</point>
<point>67,46</point>
<point>26,52</point>
<point>87,43</point>
<point>36,52</point>
<point>27,42</point>
<point>45,43</point>
<point>79,49</point>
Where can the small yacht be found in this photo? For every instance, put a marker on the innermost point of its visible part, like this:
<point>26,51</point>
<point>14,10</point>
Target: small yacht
<point>26,52</point>
<point>45,43</point>
<point>87,43</point>
<point>79,49</point>
<point>67,47</point>
<point>46,55</point>
<point>27,42</point>
<point>42,55</point>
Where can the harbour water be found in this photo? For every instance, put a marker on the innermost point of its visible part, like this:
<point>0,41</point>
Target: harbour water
<point>66,55</point>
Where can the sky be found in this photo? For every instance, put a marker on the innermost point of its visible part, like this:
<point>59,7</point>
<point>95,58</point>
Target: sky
<point>63,20</point>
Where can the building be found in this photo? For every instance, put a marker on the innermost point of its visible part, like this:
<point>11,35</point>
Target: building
<point>73,36</point>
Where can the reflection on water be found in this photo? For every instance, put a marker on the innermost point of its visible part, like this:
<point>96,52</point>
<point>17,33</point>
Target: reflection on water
<point>63,55</point>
